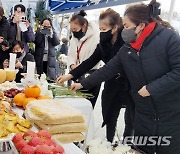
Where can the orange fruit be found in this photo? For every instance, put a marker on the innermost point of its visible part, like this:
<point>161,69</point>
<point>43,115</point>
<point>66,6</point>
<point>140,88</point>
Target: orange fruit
<point>26,101</point>
<point>33,91</point>
<point>43,97</point>
<point>19,98</point>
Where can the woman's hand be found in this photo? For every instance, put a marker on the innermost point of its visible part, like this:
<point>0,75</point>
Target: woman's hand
<point>76,86</point>
<point>19,65</point>
<point>143,92</point>
<point>27,23</point>
<point>64,78</point>
<point>4,48</point>
<point>17,19</point>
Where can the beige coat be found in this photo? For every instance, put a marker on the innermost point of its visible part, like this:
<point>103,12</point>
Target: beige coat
<point>88,48</point>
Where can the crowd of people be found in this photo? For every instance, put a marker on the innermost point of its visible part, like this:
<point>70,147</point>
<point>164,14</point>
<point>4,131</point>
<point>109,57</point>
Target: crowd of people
<point>15,35</point>
<point>141,55</point>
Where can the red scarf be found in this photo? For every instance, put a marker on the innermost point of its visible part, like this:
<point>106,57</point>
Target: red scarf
<point>146,32</point>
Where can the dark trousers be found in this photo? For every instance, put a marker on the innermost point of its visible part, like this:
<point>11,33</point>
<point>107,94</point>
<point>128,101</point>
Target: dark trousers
<point>128,118</point>
<point>45,67</point>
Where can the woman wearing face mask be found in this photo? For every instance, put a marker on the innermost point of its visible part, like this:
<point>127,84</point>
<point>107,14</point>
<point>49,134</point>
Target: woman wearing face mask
<point>151,61</point>
<point>116,90</point>
<point>45,55</point>
<point>82,45</point>
<point>21,59</point>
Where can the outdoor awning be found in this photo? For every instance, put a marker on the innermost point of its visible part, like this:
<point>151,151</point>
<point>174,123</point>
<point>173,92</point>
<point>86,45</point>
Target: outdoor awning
<point>67,6</point>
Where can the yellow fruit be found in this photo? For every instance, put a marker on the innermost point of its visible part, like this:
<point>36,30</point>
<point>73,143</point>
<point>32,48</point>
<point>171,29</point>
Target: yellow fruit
<point>26,101</point>
<point>2,75</point>
<point>32,91</point>
<point>43,97</point>
<point>19,99</point>
<point>10,75</point>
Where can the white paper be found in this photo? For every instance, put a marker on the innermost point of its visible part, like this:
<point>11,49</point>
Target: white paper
<point>23,26</point>
<point>30,70</point>
<point>12,61</point>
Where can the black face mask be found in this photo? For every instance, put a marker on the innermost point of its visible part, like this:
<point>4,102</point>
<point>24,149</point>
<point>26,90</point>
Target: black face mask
<point>18,54</point>
<point>106,36</point>
<point>79,34</point>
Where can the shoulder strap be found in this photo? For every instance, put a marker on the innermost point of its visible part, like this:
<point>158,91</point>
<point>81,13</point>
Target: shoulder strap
<point>79,50</point>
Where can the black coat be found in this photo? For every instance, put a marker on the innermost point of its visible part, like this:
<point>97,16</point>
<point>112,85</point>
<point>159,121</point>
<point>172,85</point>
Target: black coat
<point>27,57</point>
<point>115,88</point>
<point>158,66</point>
<point>39,53</point>
<point>4,29</point>
<point>64,49</point>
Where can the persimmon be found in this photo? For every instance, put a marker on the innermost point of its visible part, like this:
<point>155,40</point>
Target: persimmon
<point>27,100</point>
<point>33,91</point>
<point>19,99</point>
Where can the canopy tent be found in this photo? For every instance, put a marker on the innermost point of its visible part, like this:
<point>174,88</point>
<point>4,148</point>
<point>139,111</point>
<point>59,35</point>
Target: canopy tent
<point>67,6</point>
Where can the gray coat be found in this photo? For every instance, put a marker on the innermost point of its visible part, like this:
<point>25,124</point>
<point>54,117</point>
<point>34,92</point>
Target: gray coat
<point>39,53</point>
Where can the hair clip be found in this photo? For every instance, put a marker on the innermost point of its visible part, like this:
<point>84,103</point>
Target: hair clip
<point>154,10</point>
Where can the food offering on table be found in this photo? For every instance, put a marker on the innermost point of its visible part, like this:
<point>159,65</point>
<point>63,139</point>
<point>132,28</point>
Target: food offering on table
<point>10,122</point>
<point>8,85</point>
<point>5,99</point>
<point>65,123</point>
<point>60,90</point>
<point>31,93</point>
<point>11,93</point>
<point>42,83</point>
<point>36,143</point>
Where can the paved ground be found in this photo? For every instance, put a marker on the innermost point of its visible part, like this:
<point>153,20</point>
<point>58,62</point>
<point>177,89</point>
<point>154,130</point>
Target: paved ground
<point>100,132</point>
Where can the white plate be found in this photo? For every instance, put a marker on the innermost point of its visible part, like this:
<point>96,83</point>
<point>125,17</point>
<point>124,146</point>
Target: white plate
<point>8,138</point>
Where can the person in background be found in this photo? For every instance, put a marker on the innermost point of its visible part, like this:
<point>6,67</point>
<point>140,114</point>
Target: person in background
<point>21,59</point>
<point>64,47</point>
<point>116,90</point>
<point>151,61</point>
<point>82,45</point>
<point>4,31</point>
<point>45,55</point>
<point>20,28</point>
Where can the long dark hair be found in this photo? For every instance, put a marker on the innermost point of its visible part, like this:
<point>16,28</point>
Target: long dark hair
<point>50,21</point>
<point>113,16</point>
<point>141,13</point>
<point>20,43</point>
<point>80,18</point>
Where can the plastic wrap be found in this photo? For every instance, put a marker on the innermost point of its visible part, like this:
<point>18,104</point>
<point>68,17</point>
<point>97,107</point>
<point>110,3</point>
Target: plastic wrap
<point>53,112</point>
<point>68,137</point>
<point>64,128</point>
